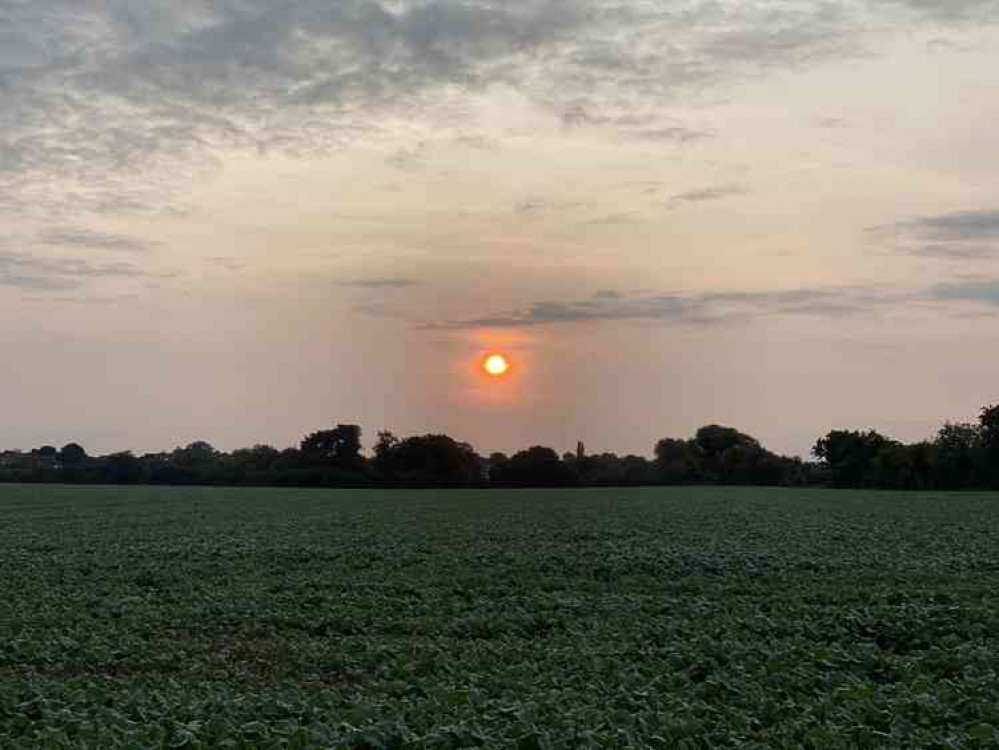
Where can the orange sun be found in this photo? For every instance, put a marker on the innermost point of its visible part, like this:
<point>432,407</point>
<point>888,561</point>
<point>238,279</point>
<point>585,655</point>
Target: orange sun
<point>496,365</point>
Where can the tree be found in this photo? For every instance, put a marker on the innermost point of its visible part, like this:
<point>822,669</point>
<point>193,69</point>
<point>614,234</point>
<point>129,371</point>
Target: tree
<point>198,454</point>
<point>537,466</point>
<point>608,470</point>
<point>849,456</point>
<point>893,466</point>
<point>678,461</point>
<point>428,460</point>
<point>122,467</point>
<point>714,440</point>
<point>72,454</point>
<point>496,465</point>
<point>989,423</point>
<point>958,448</point>
<point>383,450</point>
<point>253,463</point>
<point>339,448</point>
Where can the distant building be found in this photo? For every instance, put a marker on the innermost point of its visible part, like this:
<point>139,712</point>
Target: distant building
<point>580,451</point>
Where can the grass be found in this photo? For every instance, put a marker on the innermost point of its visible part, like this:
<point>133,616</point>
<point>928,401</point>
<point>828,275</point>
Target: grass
<point>674,618</point>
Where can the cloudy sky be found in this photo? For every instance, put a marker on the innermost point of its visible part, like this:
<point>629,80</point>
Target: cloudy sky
<point>241,220</point>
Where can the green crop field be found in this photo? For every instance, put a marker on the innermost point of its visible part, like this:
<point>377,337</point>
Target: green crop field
<point>668,618</point>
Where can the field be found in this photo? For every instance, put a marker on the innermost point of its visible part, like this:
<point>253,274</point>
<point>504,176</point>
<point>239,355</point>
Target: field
<point>674,618</point>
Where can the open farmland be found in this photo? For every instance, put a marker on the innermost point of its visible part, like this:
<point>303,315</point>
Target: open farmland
<point>196,618</point>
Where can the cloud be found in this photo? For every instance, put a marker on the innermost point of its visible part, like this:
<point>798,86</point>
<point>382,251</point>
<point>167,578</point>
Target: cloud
<point>729,307</point>
<point>953,10</point>
<point>831,123</point>
<point>125,99</point>
<point>94,240</point>
<point>962,250</point>
<point>26,271</point>
<point>607,305</point>
<point>530,206</point>
<point>984,291</point>
<point>373,309</point>
<point>101,86</point>
<point>409,159</point>
<point>227,263</point>
<point>584,113</point>
<point>673,134</point>
<point>389,282</point>
<point>709,194</point>
<point>538,206</point>
<point>615,219</point>
<point>959,234</point>
<point>794,36</point>
<point>959,226</point>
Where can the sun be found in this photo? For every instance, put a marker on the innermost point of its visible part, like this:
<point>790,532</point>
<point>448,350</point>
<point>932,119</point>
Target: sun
<point>496,365</point>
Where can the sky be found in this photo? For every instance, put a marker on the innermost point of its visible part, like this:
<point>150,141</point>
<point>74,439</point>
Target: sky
<point>244,220</point>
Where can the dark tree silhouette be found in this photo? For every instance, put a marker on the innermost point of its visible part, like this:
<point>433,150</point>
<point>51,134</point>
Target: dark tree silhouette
<point>989,422</point>
<point>339,448</point>
<point>383,450</point>
<point>535,467</point>
<point>714,440</point>
<point>428,460</point>
<point>72,454</point>
<point>123,467</point>
<point>678,461</point>
<point>961,456</point>
<point>956,456</point>
<point>849,455</point>
<point>193,455</point>
<point>252,464</point>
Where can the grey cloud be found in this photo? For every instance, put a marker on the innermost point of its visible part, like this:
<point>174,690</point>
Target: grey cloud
<point>950,45</point>
<point>959,226</point>
<point>954,250</point>
<point>538,206</point>
<point>27,271</point>
<point>133,204</point>
<point>959,234</point>
<point>954,10</point>
<point>695,309</point>
<point>828,303</point>
<point>530,206</point>
<point>731,307</point>
<point>647,127</point>
<point>543,313</point>
<point>615,219</point>
<point>109,89</point>
<point>409,159</point>
<point>89,300</point>
<point>227,263</point>
<point>103,92</point>
<point>94,240</point>
<point>477,142</point>
<point>389,282</point>
<point>374,309</point>
<point>709,194</point>
<point>793,36</point>
<point>984,291</point>
<point>674,134</point>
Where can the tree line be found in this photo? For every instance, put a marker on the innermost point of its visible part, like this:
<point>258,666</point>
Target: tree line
<point>960,457</point>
